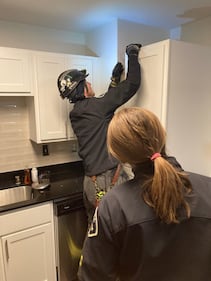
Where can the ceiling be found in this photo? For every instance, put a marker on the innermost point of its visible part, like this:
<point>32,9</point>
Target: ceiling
<point>85,15</point>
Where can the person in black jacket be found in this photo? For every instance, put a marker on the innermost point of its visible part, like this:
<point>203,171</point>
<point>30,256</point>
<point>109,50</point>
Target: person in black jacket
<point>156,226</point>
<point>90,118</point>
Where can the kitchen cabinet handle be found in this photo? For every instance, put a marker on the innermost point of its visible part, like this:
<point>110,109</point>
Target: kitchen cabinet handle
<point>66,207</point>
<point>7,250</point>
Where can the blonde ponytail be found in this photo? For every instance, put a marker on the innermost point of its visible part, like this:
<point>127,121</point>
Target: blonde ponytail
<point>136,136</point>
<point>165,191</point>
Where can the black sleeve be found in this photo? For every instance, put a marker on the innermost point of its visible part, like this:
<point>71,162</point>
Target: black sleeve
<point>126,89</point>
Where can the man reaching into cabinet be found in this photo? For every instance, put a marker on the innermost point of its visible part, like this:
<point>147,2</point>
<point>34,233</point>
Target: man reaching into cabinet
<point>90,118</point>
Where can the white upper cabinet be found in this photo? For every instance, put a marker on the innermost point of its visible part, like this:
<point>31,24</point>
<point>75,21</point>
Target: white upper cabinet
<point>154,72</point>
<point>90,64</point>
<point>50,110</point>
<point>176,87</point>
<point>34,74</point>
<point>80,63</point>
<point>15,72</point>
<point>49,113</point>
<point>93,68</point>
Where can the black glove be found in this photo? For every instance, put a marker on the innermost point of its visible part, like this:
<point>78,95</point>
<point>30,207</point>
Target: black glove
<point>117,71</point>
<point>116,74</point>
<point>133,49</point>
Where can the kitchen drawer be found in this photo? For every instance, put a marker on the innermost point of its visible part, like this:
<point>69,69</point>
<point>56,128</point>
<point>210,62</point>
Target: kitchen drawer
<point>24,218</point>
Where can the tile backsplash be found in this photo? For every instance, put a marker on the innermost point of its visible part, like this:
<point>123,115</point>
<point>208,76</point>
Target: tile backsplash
<point>16,150</point>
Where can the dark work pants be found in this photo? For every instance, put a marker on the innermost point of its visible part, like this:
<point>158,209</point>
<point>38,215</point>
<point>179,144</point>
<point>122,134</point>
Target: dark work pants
<point>103,181</point>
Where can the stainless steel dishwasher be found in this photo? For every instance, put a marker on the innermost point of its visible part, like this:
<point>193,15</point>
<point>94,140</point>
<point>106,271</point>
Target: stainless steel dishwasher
<point>70,231</point>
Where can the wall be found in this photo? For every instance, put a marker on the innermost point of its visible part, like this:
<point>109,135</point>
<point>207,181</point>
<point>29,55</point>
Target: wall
<point>39,38</point>
<point>16,150</point>
<point>109,41</point>
<point>103,41</point>
<point>129,32</point>
<point>197,32</point>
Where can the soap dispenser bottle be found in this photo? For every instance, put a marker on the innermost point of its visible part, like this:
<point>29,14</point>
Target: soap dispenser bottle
<point>34,176</point>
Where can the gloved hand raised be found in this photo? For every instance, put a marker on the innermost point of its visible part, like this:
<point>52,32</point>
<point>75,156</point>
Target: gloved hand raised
<point>117,70</point>
<point>116,74</point>
<point>133,49</point>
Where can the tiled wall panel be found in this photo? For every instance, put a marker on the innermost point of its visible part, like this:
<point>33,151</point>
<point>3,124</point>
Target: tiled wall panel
<point>16,150</point>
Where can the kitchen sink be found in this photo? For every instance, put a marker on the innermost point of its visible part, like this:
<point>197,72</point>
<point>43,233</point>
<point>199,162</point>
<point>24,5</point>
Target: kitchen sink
<point>15,194</point>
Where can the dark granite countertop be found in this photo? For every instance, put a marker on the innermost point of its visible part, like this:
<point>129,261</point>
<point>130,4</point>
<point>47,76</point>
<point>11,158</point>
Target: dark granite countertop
<point>66,181</point>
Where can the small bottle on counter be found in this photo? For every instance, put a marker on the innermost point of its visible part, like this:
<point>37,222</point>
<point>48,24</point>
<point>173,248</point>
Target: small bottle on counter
<point>17,180</point>
<point>34,176</point>
<point>27,177</point>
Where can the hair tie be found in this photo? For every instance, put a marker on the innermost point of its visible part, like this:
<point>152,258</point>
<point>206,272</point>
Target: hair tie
<point>155,155</point>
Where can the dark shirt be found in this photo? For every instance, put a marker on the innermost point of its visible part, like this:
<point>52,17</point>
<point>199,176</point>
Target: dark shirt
<point>128,241</point>
<point>90,118</point>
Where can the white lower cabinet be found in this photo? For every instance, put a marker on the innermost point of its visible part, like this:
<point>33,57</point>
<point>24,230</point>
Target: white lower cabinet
<point>28,250</point>
<point>2,276</point>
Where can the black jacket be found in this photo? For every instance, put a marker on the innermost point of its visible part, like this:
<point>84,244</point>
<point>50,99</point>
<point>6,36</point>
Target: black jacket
<point>90,119</point>
<point>128,241</point>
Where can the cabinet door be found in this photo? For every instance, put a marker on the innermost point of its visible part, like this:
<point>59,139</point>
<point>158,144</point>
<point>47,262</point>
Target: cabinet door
<point>15,69</point>
<point>28,255</point>
<point>93,67</point>
<point>82,62</point>
<point>153,91</point>
<point>70,133</point>
<point>79,62</point>
<point>51,112</point>
<point>1,263</point>
<point>52,118</point>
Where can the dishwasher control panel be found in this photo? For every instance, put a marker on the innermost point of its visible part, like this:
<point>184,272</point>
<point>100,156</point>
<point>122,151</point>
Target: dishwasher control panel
<point>68,205</point>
